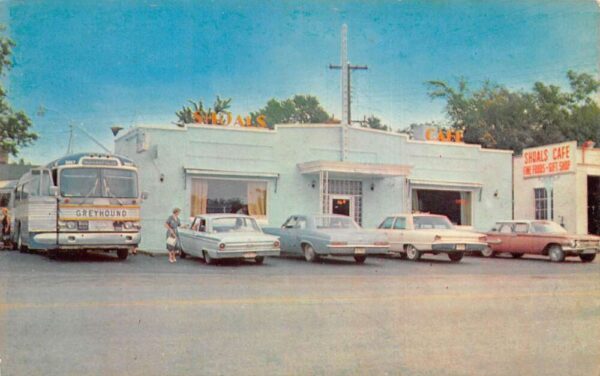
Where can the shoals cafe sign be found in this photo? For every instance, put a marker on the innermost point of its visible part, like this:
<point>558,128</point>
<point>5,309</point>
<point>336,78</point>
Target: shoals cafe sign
<point>227,119</point>
<point>550,159</point>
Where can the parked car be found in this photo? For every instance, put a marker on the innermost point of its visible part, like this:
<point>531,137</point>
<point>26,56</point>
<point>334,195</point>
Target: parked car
<point>328,235</point>
<point>219,236</point>
<point>538,237</point>
<point>412,235</point>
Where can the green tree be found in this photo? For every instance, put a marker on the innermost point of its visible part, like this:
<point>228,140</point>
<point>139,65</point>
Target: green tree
<point>186,114</point>
<point>299,109</point>
<point>374,122</point>
<point>15,126</point>
<point>497,117</point>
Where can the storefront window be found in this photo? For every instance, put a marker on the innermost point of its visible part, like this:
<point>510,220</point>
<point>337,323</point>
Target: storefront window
<point>229,196</point>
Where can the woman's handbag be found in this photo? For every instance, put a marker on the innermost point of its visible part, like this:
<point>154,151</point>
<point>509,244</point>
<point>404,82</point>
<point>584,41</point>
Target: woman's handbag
<point>171,241</point>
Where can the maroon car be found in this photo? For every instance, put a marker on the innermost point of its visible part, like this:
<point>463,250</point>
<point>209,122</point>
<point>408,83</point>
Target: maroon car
<point>540,238</point>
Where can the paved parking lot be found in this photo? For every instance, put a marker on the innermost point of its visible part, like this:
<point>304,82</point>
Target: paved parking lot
<point>97,315</point>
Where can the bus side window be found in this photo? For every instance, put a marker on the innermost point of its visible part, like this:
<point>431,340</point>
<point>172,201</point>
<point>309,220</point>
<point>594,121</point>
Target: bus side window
<point>25,191</point>
<point>45,184</point>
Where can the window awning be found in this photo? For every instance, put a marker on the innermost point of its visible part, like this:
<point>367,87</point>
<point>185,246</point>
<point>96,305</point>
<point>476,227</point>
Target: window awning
<point>354,169</point>
<point>229,173</point>
<point>190,171</point>
<point>445,185</point>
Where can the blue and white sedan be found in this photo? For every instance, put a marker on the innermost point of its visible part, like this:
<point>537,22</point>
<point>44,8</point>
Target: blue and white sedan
<point>315,236</point>
<point>220,236</point>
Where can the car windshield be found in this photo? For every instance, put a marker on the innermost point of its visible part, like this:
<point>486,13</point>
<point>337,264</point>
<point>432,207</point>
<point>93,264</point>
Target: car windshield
<point>431,222</point>
<point>235,224</point>
<point>98,182</point>
<point>335,222</point>
<point>547,228</point>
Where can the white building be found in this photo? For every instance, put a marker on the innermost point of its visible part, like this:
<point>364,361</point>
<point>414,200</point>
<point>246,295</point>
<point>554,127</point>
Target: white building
<point>560,182</point>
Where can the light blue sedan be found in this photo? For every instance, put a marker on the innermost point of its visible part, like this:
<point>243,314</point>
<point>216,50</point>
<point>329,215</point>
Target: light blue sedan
<point>219,236</point>
<point>328,235</point>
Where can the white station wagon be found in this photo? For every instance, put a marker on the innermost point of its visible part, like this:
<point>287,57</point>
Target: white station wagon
<point>412,235</point>
<point>219,236</point>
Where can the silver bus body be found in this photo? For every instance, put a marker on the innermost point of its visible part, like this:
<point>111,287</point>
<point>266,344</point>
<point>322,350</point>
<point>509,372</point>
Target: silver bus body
<point>77,203</point>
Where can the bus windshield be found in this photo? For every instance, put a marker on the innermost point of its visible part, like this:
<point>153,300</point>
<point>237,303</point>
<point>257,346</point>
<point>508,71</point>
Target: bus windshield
<point>98,182</point>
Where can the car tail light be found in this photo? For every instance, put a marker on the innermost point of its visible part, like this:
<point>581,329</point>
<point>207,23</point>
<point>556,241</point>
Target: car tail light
<point>338,243</point>
<point>276,244</point>
<point>483,238</point>
<point>382,243</point>
<point>222,246</point>
<point>436,238</point>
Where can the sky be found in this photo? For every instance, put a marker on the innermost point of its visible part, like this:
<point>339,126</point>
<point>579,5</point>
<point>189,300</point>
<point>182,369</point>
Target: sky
<point>103,63</point>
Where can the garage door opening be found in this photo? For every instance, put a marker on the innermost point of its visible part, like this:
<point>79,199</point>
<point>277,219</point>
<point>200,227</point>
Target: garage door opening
<point>456,205</point>
<point>593,199</point>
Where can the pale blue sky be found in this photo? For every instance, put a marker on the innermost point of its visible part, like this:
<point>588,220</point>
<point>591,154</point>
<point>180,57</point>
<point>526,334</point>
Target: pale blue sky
<point>136,62</point>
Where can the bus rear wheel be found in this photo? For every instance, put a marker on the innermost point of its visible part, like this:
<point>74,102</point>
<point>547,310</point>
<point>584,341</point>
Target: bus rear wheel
<point>122,254</point>
<point>20,246</point>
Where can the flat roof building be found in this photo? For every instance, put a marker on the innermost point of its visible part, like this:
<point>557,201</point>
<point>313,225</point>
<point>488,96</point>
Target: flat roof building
<point>559,182</point>
<point>316,168</point>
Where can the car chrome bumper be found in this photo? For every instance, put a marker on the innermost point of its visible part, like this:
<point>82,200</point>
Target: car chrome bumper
<point>355,249</point>
<point>580,251</point>
<point>252,253</point>
<point>89,240</point>
<point>458,247</point>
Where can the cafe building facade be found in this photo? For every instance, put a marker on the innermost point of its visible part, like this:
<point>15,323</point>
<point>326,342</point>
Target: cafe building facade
<point>312,168</point>
<point>561,183</point>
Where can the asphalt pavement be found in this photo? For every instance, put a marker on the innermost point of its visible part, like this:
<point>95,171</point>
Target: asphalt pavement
<point>96,315</point>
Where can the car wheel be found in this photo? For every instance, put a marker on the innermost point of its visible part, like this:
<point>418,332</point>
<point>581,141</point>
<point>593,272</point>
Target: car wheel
<point>556,253</point>
<point>402,256</point>
<point>259,259</point>
<point>455,256</point>
<point>588,257</point>
<point>412,253</point>
<point>122,254</point>
<point>183,254</point>
<point>360,259</point>
<point>516,254</point>
<point>207,259</point>
<point>309,253</point>
<point>487,252</point>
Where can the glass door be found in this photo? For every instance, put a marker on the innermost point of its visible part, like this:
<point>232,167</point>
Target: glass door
<point>342,204</point>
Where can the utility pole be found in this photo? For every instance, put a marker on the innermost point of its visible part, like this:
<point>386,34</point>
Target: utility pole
<point>346,69</point>
<point>346,77</point>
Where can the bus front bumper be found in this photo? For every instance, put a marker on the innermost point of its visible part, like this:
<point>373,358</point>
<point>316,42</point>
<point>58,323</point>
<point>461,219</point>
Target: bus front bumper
<point>89,240</point>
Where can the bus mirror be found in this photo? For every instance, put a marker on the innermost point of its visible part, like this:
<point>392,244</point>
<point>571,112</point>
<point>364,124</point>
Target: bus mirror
<point>53,191</point>
<point>144,195</point>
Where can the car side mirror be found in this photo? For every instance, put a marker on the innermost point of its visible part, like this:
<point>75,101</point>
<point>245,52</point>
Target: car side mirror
<point>53,191</point>
<point>144,195</point>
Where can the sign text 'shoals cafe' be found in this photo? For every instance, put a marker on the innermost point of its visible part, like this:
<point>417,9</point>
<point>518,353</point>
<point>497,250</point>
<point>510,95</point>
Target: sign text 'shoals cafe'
<point>549,160</point>
<point>99,213</point>
<point>227,119</point>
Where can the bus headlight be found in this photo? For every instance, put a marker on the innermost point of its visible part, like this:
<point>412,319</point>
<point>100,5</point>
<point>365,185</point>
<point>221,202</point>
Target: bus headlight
<point>71,225</point>
<point>128,225</point>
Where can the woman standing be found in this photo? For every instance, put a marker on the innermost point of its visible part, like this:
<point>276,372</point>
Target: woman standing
<point>5,235</point>
<point>172,237</point>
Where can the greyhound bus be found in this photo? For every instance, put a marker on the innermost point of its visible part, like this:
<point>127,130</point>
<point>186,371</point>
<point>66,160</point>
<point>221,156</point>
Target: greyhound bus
<point>80,202</point>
